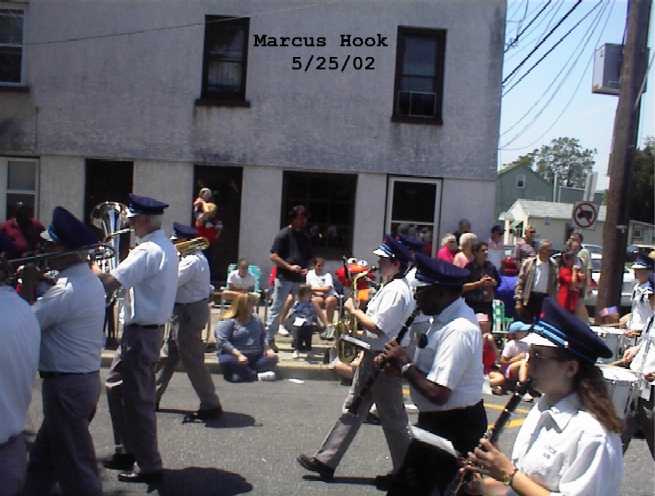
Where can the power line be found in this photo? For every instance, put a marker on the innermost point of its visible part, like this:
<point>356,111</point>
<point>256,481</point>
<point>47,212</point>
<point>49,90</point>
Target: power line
<point>555,9</point>
<point>176,26</point>
<point>568,103</point>
<point>518,35</point>
<point>525,74</point>
<point>525,14</point>
<point>525,59</point>
<point>570,63</point>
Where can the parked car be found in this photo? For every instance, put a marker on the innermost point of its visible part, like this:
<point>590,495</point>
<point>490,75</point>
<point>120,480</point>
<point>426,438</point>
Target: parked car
<point>633,250</point>
<point>593,249</point>
<point>626,289</point>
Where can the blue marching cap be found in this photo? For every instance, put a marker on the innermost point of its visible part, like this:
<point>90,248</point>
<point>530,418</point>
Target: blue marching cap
<point>643,262</point>
<point>66,230</point>
<point>184,231</point>
<point>411,242</point>
<point>390,248</point>
<point>432,271</point>
<point>144,205</point>
<point>558,328</point>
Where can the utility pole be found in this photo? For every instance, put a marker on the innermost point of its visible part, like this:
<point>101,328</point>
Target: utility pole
<point>624,143</point>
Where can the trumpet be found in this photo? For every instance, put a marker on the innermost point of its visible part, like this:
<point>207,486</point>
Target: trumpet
<point>187,247</point>
<point>94,253</point>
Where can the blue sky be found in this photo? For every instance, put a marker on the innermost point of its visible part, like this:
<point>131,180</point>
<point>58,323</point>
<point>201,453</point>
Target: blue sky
<point>577,114</point>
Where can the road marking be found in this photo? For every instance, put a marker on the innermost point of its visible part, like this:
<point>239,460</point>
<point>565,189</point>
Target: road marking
<point>500,408</point>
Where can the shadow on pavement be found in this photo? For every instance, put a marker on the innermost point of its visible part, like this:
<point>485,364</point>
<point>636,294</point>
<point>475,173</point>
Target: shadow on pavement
<point>197,481</point>
<point>232,420</point>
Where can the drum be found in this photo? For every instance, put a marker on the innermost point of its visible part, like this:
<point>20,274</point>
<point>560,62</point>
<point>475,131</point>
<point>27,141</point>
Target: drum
<point>622,388</point>
<point>614,339</point>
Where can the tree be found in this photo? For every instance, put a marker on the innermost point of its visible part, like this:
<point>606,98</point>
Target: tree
<point>641,202</point>
<point>564,157</point>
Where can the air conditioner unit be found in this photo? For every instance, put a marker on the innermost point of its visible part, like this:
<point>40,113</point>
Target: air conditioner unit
<point>607,69</point>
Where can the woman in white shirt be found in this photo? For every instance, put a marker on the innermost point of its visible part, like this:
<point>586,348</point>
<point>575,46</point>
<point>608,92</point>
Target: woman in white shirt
<point>323,292</point>
<point>569,444</point>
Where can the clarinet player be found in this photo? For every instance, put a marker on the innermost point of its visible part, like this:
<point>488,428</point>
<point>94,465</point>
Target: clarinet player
<point>445,377</point>
<point>384,317</point>
<point>569,443</point>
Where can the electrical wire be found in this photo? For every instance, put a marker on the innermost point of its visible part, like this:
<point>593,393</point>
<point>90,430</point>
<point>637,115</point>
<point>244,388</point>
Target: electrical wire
<point>568,103</point>
<point>519,34</point>
<point>525,59</point>
<point>177,26</point>
<point>541,59</point>
<point>571,62</point>
<point>527,39</point>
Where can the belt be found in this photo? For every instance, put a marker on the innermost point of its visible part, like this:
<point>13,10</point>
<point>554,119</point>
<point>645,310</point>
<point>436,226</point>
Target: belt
<point>51,375</point>
<point>191,303</point>
<point>146,326</point>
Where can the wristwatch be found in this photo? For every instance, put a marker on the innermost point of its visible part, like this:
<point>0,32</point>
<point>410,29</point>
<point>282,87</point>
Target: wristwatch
<point>509,478</point>
<point>405,368</point>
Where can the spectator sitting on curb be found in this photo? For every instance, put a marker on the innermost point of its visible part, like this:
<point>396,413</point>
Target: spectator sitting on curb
<point>511,359</point>
<point>240,281</point>
<point>323,289</point>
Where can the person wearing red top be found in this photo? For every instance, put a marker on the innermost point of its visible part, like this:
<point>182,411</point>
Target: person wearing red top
<point>23,231</point>
<point>448,248</point>
<point>567,279</point>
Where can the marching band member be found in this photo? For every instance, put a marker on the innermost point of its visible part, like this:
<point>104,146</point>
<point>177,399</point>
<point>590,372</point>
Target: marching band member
<point>150,272</point>
<point>643,296</point>
<point>19,357</point>
<point>641,359</point>
<point>445,377</point>
<point>71,314</point>
<point>385,315</point>
<point>192,313</point>
<point>569,443</point>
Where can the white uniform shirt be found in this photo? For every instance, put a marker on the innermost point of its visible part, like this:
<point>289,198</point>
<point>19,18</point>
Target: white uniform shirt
<point>541,277</point>
<point>322,281</point>
<point>72,316</point>
<point>644,360</point>
<point>19,357</point>
<point>246,283</point>
<point>452,358</point>
<point>568,451</point>
<point>389,309</point>
<point>641,307</point>
<point>193,283</point>
<point>150,272</point>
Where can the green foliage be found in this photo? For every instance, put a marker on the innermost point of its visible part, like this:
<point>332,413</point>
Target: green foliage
<point>641,199</point>
<point>564,157</point>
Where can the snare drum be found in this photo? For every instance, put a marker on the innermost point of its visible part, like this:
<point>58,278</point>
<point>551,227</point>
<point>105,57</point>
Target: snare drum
<point>622,388</point>
<point>614,340</point>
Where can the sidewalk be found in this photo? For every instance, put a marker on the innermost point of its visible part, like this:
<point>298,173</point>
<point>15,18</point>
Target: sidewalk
<point>310,367</point>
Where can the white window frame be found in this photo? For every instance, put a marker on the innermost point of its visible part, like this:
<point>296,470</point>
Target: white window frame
<point>4,184</point>
<point>437,206</point>
<point>520,181</point>
<point>19,7</point>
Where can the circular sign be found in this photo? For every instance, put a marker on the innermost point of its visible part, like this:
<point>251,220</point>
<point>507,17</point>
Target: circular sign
<point>585,214</point>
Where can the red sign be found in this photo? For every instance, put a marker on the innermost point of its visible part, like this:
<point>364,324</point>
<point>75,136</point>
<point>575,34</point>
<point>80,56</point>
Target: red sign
<point>585,214</point>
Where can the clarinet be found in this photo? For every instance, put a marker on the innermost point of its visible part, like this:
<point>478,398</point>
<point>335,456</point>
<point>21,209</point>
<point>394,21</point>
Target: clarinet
<point>456,488</point>
<point>357,400</point>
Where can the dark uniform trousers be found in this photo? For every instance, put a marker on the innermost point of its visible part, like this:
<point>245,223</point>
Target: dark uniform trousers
<point>426,467</point>
<point>13,462</point>
<point>186,344</point>
<point>63,451</point>
<point>131,395</point>
<point>642,418</point>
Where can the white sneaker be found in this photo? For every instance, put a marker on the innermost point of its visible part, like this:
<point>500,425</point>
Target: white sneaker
<point>296,354</point>
<point>528,397</point>
<point>266,376</point>
<point>283,332</point>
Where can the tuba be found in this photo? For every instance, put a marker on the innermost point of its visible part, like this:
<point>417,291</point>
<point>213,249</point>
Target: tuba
<point>346,328</point>
<point>111,218</point>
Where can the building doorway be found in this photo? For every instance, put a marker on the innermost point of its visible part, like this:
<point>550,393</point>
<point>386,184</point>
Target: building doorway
<point>226,186</point>
<point>413,207</point>
<point>106,180</point>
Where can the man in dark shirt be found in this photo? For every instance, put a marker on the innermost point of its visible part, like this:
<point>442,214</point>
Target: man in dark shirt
<point>292,254</point>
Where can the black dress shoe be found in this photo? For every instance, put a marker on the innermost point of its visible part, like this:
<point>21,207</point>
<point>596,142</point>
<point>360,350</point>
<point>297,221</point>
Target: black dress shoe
<point>204,414</point>
<point>142,477</point>
<point>314,465</point>
<point>273,346</point>
<point>383,482</point>
<point>119,461</point>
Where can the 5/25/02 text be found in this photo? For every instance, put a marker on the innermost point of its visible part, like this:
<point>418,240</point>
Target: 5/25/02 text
<point>321,63</point>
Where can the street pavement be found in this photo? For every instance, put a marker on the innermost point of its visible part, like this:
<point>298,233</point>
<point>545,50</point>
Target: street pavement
<point>252,449</point>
